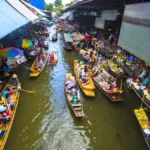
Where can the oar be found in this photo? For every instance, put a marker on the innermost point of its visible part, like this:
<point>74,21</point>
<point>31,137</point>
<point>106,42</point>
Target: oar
<point>31,92</point>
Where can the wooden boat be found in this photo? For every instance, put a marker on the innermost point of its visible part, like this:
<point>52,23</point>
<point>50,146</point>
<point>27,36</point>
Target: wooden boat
<point>76,108</point>
<point>68,41</point>
<point>33,71</point>
<point>46,45</point>
<point>55,57</point>
<point>146,137</point>
<point>114,94</point>
<point>6,128</point>
<point>67,46</point>
<point>54,37</point>
<point>143,98</point>
<point>88,89</point>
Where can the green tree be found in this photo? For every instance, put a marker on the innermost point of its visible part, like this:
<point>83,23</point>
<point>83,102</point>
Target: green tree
<point>49,7</point>
<point>58,3</point>
<point>58,10</point>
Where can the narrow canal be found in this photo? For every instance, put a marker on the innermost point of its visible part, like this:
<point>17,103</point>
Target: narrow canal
<point>44,121</point>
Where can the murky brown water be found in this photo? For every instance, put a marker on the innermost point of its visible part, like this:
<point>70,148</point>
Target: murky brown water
<point>45,122</point>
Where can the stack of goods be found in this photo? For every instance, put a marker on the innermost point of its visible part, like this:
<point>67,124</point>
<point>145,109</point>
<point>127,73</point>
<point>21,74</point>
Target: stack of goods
<point>114,67</point>
<point>143,120</point>
<point>107,82</point>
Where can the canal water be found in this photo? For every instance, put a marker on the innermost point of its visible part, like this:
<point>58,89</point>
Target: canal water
<point>44,121</point>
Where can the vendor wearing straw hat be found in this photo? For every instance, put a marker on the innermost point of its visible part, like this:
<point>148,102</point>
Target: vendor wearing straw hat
<point>14,81</point>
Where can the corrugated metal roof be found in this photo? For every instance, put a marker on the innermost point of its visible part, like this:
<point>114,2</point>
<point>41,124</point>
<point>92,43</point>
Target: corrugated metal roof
<point>10,19</point>
<point>23,10</point>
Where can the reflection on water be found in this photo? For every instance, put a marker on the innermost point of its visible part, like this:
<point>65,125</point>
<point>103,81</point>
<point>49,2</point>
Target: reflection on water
<point>45,122</point>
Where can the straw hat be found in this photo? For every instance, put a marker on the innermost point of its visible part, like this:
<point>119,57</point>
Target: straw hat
<point>14,76</point>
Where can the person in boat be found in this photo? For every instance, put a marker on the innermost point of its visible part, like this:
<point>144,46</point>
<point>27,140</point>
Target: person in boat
<point>14,81</point>
<point>70,84</point>
<point>87,57</point>
<point>10,102</point>
<point>85,68</point>
<point>43,57</point>
<point>83,76</point>
<point>40,64</point>
<point>5,117</point>
<point>52,58</point>
<point>6,68</point>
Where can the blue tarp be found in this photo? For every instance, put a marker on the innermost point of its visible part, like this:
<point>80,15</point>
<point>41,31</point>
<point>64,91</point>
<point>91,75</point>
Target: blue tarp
<point>10,19</point>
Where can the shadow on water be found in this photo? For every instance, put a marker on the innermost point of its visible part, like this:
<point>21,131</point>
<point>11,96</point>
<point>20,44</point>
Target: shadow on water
<point>45,122</point>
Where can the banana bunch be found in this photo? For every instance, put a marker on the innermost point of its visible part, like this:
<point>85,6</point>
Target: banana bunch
<point>142,117</point>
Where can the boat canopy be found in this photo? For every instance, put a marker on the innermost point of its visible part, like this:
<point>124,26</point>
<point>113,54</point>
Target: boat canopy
<point>67,14</point>
<point>34,8</point>
<point>67,37</point>
<point>10,19</point>
<point>23,10</point>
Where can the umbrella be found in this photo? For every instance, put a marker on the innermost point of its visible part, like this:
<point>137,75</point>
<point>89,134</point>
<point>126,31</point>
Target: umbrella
<point>10,52</point>
<point>24,43</point>
<point>77,37</point>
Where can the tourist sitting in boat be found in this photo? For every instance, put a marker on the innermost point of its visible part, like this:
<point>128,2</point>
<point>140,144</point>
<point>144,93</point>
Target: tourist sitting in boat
<point>9,101</point>
<point>83,76</point>
<point>40,64</point>
<point>87,56</point>
<point>52,57</point>
<point>5,116</point>
<point>43,57</point>
<point>70,84</point>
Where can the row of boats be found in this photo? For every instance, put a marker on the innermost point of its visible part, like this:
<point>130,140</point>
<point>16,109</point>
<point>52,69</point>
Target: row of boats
<point>5,128</point>
<point>104,79</point>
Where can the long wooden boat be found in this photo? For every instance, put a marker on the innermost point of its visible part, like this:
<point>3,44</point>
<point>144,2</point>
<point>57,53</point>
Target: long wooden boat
<point>54,37</point>
<point>87,89</point>
<point>76,108</point>
<point>67,46</point>
<point>6,128</point>
<point>139,93</point>
<point>120,75</point>
<point>146,137</point>
<point>33,71</point>
<point>115,95</point>
<point>55,57</point>
<point>46,45</point>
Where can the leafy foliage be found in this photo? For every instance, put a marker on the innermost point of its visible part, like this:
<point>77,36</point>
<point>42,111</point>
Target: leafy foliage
<point>49,7</point>
<point>57,3</point>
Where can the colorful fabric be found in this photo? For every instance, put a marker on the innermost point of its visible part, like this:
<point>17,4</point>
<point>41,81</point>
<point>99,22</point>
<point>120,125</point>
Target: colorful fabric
<point>10,52</point>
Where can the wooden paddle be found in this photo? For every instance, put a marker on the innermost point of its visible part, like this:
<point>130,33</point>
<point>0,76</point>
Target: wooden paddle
<point>120,90</point>
<point>31,92</point>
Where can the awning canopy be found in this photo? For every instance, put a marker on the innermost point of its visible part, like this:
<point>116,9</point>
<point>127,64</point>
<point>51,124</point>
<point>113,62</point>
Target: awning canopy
<point>67,14</point>
<point>23,10</point>
<point>34,8</point>
<point>67,37</point>
<point>10,19</point>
